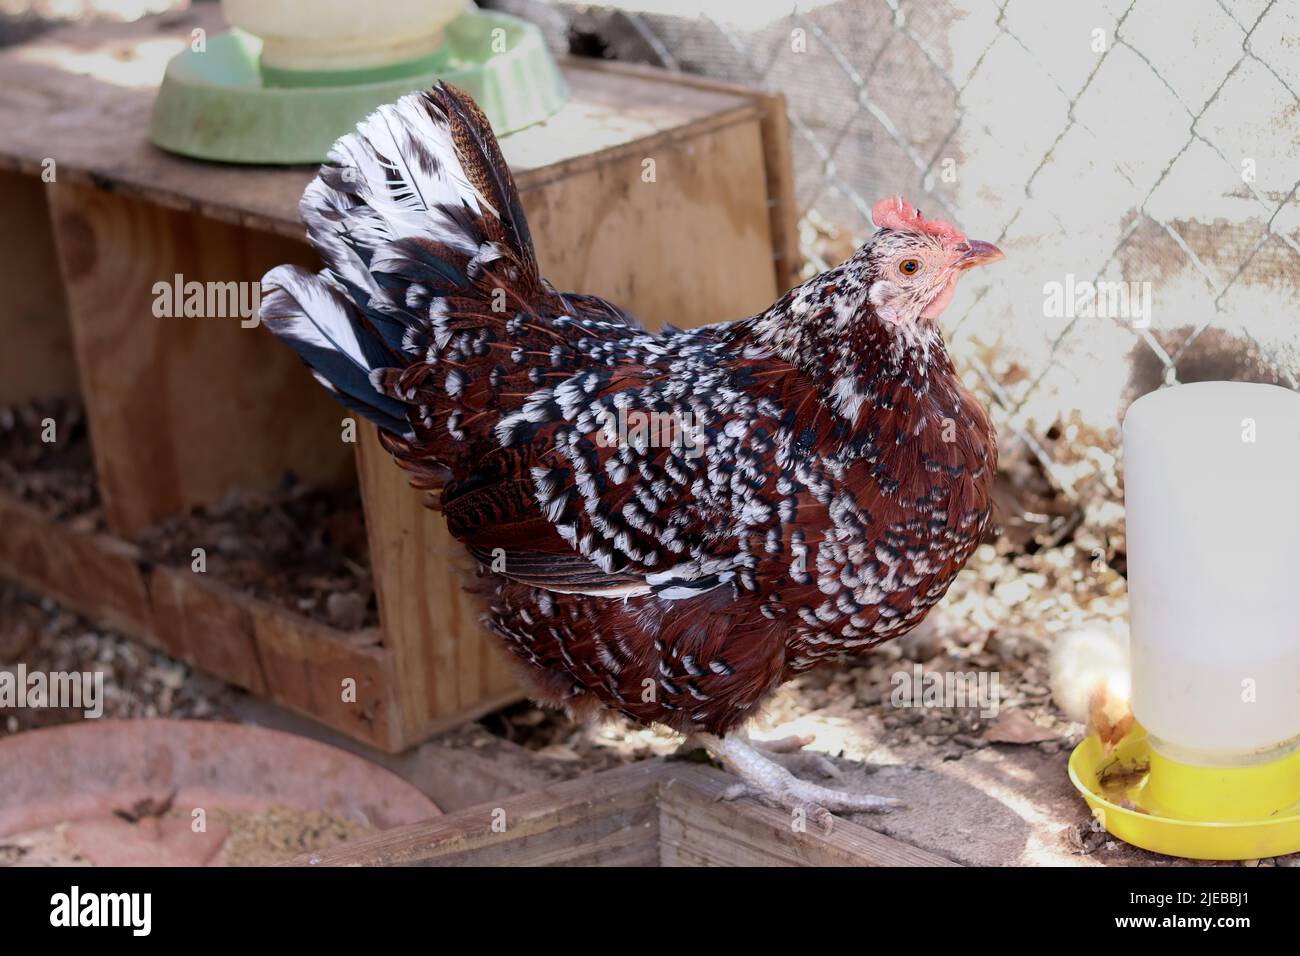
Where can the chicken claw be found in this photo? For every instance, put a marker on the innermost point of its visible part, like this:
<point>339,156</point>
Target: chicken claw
<point>774,784</point>
<point>789,752</point>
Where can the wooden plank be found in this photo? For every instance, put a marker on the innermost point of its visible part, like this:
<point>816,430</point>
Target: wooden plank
<point>609,819</point>
<point>691,247</point>
<point>654,812</point>
<point>83,96</point>
<point>94,574</point>
<point>315,671</point>
<point>182,409</point>
<point>779,164</point>
<point>36,361</point>
<point>697,829</point>
<point>787,257</point>
<point>449,665</point>
<point>207,624</point>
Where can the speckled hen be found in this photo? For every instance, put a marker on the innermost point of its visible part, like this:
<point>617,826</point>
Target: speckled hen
<point>671,524</point>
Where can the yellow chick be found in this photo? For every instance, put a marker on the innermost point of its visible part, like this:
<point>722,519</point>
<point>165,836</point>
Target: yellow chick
<point>1090,682</point>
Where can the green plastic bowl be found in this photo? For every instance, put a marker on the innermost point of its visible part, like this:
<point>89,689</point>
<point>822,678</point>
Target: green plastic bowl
<point>218,104</point>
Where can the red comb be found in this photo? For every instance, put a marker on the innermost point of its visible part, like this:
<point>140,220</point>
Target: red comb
<point>898,214</point>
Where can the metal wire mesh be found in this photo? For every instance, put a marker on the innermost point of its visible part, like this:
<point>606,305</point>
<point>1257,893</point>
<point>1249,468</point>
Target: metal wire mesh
<point>893,98</point>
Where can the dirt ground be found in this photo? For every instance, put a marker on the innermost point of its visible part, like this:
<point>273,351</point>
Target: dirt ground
<point>969,798</point>
<point>980,789</point>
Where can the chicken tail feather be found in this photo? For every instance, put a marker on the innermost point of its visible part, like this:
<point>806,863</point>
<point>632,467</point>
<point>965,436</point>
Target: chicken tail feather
<point>419,224</point>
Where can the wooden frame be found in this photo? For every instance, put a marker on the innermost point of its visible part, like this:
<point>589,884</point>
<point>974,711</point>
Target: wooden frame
<point>264,648</point>
<point>654,813</point>
<point>670,195</point>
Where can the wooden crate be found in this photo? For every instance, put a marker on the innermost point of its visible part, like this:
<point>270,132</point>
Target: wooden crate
<point>655,813</point>
<point>183,410</point>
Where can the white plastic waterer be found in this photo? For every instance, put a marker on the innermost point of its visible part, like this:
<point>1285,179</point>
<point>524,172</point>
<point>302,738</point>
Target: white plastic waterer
<point>1212,496</point>
<point>343,35</point>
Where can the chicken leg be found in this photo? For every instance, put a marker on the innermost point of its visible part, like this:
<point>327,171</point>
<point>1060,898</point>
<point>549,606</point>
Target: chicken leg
<point>763,777</point>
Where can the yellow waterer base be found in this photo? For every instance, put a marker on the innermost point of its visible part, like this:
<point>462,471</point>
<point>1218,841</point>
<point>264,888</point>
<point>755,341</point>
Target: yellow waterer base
<point>1200,813</point>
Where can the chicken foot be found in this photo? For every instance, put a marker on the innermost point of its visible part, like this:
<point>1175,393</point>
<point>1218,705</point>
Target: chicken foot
<point>789,752</point>
<point>763,777</point>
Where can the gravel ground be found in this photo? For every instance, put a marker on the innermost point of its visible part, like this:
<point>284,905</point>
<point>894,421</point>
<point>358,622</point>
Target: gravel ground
<point>138,682</point>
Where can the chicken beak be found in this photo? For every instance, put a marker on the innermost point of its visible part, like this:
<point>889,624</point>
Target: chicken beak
<point>979,254</point>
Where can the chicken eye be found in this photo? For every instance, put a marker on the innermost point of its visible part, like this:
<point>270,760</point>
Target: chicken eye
<point>909,267</point>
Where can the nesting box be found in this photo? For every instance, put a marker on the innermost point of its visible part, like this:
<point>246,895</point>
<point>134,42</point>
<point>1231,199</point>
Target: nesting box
<point>669,195</point>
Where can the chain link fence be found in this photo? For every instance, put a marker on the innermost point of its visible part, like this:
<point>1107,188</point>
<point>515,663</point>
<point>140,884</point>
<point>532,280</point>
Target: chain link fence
<point>1144,151</point>
<point>1137,160</point>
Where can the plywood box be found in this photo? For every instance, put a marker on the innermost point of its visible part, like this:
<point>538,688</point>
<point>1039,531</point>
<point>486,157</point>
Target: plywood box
<point>654,813</point>
<point>182,410</point>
